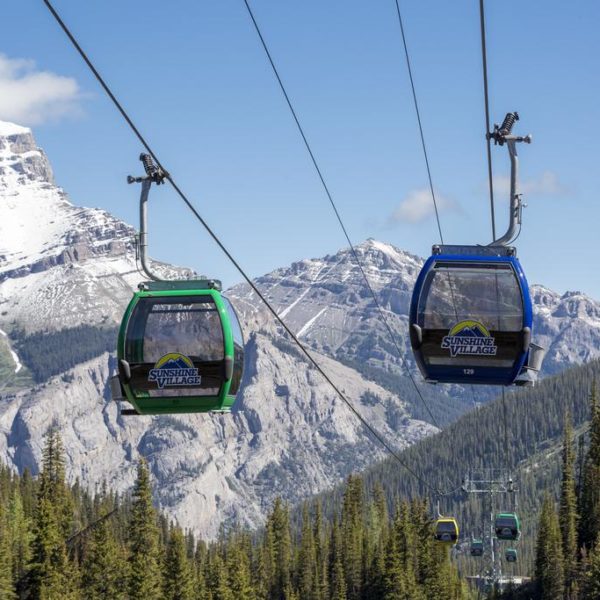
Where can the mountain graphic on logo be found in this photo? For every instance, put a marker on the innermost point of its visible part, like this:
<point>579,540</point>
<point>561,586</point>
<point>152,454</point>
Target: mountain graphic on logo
<point>471,332</point>
<point>174,364</point>
<point>174,360</point>
<point>473,329</point>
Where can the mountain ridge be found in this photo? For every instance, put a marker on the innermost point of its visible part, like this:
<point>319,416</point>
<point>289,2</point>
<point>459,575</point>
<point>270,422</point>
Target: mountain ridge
<point>289,434</point>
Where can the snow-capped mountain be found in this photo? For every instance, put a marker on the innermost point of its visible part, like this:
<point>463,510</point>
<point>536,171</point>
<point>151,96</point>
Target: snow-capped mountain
<point>65,267</point>
<point>69,272</point>
<point>326,302</point>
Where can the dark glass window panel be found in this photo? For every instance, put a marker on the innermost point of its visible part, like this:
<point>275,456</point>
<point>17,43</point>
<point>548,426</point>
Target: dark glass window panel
<point>187,325</point>
<point>509,522</point>
<point>190,326</point>
<point>487,293</point>
<point>446,527</point>
<point>452,294</point>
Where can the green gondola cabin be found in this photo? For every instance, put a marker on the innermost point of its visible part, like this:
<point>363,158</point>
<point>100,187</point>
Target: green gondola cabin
<point>507,526</point>
<point>511,555</point>
<point>476,548</point>
<point>180,349</point>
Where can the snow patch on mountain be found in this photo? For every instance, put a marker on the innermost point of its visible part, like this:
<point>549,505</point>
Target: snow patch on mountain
<point>18,365</point>
<point>62,266</point>
<point>8,129</point>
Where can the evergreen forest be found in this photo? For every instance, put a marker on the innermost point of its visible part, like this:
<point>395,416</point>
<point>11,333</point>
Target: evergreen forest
<point>57,542</point>
<point>371,538</point>
<point>567,552</point>
<point>50,353</point>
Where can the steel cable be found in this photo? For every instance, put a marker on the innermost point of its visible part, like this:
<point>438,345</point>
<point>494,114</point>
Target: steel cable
<point>376,435</point>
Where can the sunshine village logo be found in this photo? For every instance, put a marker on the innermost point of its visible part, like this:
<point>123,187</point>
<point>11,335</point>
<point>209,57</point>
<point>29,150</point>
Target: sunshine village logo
<point>469,338</point>
<point>174,369</point>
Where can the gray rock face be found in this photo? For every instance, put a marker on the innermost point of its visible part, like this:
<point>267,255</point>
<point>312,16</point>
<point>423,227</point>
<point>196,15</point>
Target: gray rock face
<point>290,435</point>
<point>63,266</point>
<point>21,155</point>
<point>326,302</point>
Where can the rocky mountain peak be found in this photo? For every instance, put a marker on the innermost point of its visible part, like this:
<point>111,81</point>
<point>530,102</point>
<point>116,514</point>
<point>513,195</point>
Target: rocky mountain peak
<point>66,275</point>
<point>21,161</point>
<point>39,227</point>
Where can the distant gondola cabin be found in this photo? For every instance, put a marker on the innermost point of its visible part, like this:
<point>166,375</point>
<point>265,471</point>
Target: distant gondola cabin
<point>507,526</point>
<point>511,555</point>
<point>446,530</point>
<point>476,548</point>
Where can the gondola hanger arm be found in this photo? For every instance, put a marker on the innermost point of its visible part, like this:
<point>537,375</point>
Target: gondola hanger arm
<point>154,174</point>
<point>501,135</point>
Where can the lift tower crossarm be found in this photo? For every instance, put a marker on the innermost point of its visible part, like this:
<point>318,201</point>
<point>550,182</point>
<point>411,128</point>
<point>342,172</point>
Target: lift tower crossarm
<point>503,135</point>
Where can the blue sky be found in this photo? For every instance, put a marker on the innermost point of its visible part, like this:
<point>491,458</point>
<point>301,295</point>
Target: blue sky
<point>197,83</point>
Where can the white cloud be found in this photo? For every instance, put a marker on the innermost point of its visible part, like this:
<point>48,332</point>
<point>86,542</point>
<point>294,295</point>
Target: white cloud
<point>418,206</point>
<point>29,96</point>
<point>546,184</point>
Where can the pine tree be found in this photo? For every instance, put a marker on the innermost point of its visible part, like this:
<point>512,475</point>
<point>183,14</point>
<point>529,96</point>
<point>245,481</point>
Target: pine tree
<point>177,573</point>
<point>338,581</point>
<point>376,545</point>
<point>144,567</point>
<point>6,567</point>
<point>589,504</point>
<point>307,559</point>
<point>217,580</point>
<point>352,526</point>
<point>53,576</point>
<point>591,577</point>
<point>104,566</point>
<point>549,564</point>
<point>265,567</point>
<point>52,484</point>
<point>321,589</point>
<point>20,532</point>
<point>28,492</point>
<point>201,591</point>
<point>568,506</point>
<point>337,575</point>
<point>238,566</point>
<point>394,587</point>
<point>278,532</point>
<point>427,555</point>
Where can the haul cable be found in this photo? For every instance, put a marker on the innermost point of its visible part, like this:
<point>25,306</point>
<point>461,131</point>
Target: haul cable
<point>338,215</point>
<point>239,268</point>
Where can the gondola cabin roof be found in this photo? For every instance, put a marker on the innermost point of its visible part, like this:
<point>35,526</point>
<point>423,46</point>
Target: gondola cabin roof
<point>476,548</point>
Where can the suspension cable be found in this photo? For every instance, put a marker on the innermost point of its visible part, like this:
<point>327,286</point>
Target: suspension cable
<point>90,526</point>
<point>487,115</point>
<point>491,188</point>
<point>423,145</point>
<point>426,156</point>
<point>376,435</point>
<point>337,213</point>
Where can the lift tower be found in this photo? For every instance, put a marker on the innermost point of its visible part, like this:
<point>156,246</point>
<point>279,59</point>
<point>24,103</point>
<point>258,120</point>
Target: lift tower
<point>491,484</point>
